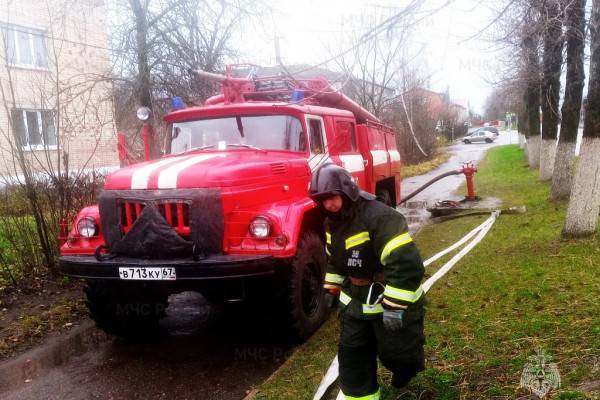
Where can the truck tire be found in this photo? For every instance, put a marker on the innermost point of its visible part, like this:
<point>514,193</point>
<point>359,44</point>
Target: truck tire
<point>384,196</point>
<point>488,140</point>
<point>302,300</point>
<point>128,310</point>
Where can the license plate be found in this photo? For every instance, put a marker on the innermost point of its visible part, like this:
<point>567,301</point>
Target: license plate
<point>147,273</point>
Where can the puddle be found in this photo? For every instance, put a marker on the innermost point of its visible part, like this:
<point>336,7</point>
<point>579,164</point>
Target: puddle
<point>417,216</point>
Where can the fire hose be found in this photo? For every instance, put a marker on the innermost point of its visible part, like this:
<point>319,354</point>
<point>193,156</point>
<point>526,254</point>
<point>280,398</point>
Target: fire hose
<point>477,234</point>
<point>468,169</point>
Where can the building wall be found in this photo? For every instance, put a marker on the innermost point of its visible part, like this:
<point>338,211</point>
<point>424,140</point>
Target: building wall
<point>73,85</point>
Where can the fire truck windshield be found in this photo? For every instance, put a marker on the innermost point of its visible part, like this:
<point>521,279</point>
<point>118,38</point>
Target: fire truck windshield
<point>267,132</point>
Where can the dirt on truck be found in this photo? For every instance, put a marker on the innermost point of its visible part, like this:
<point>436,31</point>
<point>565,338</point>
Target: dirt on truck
<point>225,212</point>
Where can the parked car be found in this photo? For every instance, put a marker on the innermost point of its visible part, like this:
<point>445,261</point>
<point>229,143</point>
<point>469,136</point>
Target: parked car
<point>490,129</point>
<point>480,135</point>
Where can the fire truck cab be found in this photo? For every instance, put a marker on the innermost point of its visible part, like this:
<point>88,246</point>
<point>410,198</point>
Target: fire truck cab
<point>226,211</point>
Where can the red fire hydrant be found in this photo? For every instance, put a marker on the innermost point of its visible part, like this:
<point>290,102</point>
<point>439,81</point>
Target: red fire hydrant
<point>469,170</point>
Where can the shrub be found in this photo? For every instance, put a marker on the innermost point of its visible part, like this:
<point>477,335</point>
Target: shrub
<point>30,217</point>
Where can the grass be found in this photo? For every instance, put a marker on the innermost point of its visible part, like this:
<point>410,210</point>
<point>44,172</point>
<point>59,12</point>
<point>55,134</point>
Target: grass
<point>522,288</point>
<point>426,166</point>
<point>29,322</point>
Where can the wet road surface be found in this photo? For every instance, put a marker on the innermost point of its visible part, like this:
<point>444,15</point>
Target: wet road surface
<point>444,189</point>
<point>205,356</point>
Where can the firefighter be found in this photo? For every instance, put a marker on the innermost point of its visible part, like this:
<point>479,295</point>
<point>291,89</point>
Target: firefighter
<point>375,271</point>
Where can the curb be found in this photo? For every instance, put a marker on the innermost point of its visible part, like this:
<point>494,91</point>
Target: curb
<point>251,394</point>
<point>36,362</point>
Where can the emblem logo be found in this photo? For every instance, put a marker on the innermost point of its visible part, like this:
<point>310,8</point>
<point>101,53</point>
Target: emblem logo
<point>355,261</point>
<point>540,375</point>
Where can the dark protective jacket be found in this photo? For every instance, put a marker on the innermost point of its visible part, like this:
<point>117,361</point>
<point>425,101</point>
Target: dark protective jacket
<point>371,240</point>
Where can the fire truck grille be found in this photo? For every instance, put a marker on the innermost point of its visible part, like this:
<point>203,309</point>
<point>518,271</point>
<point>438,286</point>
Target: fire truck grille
<point>177,214</point>
<point>161,224</point>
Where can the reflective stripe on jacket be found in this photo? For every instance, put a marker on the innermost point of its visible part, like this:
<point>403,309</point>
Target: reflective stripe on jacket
<point>371,238</point>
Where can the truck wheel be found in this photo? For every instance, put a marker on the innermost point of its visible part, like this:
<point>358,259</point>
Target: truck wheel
<point>303,302</point>
<point>125,310</point>
<point>383,195</point>
<point>488,140</point>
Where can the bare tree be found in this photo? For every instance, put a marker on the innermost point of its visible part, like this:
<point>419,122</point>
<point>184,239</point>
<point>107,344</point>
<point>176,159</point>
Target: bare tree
<point>552,63</point>
<point>374,67</point>
<point>530,42</point>
<point>505,98</point>
<point>517,33</point>
<point>161,42</point>
<point>582,213</point>
<point>523,120</point>
<point>571,109</point>
<point>414,117</point>
<point>382,79</point>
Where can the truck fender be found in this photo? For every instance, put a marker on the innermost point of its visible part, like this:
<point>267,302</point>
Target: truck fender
<point>302,214</point>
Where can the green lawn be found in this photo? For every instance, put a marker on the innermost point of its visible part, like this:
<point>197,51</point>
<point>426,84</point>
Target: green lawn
<point>522,288</point>
<point>425,166</point>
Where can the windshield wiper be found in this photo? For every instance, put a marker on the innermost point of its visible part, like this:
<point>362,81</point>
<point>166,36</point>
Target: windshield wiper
<point>248,146</point>
<point>198,148</point>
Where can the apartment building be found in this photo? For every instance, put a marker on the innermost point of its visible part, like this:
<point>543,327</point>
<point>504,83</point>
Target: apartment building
<point>55,99</point>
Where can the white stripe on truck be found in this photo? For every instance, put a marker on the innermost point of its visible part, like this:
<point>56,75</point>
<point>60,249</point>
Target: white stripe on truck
<point>353,163</point>
<point>168,178</point>
<point>379,157</point>
<point>394,155</point>
<point>140,177</point>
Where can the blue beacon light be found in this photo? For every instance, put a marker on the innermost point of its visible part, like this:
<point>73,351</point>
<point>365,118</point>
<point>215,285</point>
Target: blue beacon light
<point>297,95</point>
<point>177,103</point>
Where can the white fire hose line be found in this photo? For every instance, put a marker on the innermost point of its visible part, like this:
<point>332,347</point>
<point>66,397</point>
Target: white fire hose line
<point>480,231</point>
<point>328,379</point>
<point>456,245</point>
<point>446,267</point>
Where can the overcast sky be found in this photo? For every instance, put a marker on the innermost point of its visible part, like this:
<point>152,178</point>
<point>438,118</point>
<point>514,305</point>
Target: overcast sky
<point>310,30</point>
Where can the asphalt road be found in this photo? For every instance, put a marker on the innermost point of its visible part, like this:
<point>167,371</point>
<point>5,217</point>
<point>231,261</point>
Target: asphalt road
<point>207,355</point>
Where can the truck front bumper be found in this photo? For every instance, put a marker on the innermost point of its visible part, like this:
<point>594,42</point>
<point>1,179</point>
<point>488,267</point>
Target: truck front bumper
<point>213,267</point>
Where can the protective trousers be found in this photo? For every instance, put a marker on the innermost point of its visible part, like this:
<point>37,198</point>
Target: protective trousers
<point>362,340</point>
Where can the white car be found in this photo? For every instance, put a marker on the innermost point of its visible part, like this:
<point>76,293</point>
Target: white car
<point>480,135</point>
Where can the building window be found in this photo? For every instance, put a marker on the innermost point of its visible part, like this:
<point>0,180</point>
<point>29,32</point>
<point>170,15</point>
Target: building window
<point>25,47</point>
<point>34,129</point>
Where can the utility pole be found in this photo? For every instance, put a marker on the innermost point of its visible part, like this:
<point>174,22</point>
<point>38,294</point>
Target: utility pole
<point>277,51</point>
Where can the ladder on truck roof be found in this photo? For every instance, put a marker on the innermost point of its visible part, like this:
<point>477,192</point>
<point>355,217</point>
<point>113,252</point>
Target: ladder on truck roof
<point>315,91</point>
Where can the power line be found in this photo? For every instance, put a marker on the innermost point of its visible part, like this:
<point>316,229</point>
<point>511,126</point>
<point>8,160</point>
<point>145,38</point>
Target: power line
<point>371,34</point>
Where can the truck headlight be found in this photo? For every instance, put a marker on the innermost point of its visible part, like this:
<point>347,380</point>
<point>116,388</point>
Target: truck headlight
<point>86,227</point>
<point>260,227</point>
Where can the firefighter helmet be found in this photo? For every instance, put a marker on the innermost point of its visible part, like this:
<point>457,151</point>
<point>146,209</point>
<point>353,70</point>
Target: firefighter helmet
<point>331,179</point>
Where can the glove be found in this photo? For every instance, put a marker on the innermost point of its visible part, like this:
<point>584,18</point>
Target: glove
<point>331,297</point>
<point>392,320</point>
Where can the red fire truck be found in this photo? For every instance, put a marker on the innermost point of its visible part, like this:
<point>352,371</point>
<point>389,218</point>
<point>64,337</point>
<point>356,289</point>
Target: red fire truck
<point>225,211</point>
